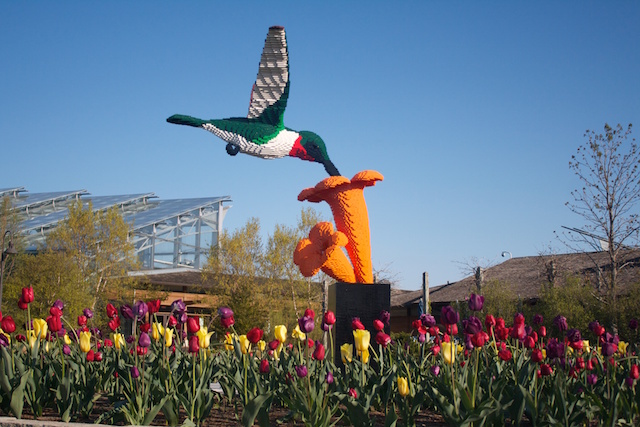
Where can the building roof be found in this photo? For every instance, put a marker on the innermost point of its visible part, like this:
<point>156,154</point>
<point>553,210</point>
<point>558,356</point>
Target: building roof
<point>526,275</point>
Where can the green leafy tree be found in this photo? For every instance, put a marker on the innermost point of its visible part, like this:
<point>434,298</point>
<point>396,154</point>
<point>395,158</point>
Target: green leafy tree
<point>10,231</point>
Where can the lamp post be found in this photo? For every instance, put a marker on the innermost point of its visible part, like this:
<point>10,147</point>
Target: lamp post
<point>5,254</point>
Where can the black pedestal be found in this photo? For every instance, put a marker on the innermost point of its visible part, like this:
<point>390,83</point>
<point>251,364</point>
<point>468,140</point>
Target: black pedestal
<point>349,300</point>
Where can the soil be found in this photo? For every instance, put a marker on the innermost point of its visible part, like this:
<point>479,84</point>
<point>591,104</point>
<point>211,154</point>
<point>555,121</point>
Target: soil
<point>225,415</point>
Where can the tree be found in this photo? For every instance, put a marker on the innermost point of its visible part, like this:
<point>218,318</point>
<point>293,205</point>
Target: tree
<point>607,166</point>
<point>99,246</point>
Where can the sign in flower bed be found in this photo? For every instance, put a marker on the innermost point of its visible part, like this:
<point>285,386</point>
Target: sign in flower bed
<point>471,372</point>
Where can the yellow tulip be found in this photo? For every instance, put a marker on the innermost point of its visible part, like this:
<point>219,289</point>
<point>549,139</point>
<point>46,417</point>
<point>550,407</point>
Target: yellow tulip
<point>244,343</point>
<point>622,347</point>
<point>403,386</point>
<point>204,337</point>
<point>118,341</point>
<point>46,346</point>
<point>157,330</point>
<point>40,327</point>
<point>261,345</point>
<point>448,352</point>
<point>276,352</point>
<point>281,333</point>
<point>346,352</point>
<point>85,341</point>
<point>168,337</point>
<point>544,353</point>
<point>585,346</point>
<point>297,333</point>
<point>66,339</point>
<point>361,337</point>
<point>228,342</point>
<point>364,356</point>
<point>31,336</point>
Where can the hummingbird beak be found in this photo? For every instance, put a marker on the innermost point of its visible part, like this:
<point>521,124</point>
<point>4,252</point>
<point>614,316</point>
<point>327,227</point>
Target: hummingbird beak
<point>330,168</point>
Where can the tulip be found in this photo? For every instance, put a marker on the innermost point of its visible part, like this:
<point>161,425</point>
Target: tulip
<point>319,351</point>
<point>168,337</point>
<point>518,331</point>
<point>418,326</point>
<point>135,372</point>
<point>140,309</point>
<point>194,344</point>
<point>204,337</point>
<point>546,369</point>
<point>329,378</point>
<point>54,323</point>
<point>555,349</point>
<point>383,339</point>
<point>172,321</point>
<point>111,310</point>
<point>54,311</point>
<point>356,324</point>
<point>346,352</point>
<point>118,341</point>
<point>403,386</point>
<point>306,324</point>
<point>542,331</point>
<point>301,371</point>
<point>435,350</point>
<point>592,379</point>
<point>361,339</point>
<point>193,325</point>
<point>157,331</point>
<point>153,306</point>
<point>297,333</point>
<point>90,356</point>
<point>476,302</point>
<point>82,320</point>
<point>227,322</point>
<point>7,324</point>
<point>634,372</point>
<point>264,366</point>
<point>448,316</point>
<point>353,393</point>
<point>538,319</point>
<point>574,336</point>
<point>448,352</point>
<point>560,322</point>
<point>178,306</point>
<point>378,325</point>
<point>126,311</point>
<point>428,321</point>
<point>114,323</point>
<point>85,341</point>
<point>88,313</point>
<point>472,325</point>
<point>255,335</point>
<point>245,344</point>
<point>144,340</point>
<point>27,295</point>
<point>329,318</point>
<point>40,328</point>
<point>66,339</point>
<point>21,304</point>
<point>536,355</point>
<point>505,355</point>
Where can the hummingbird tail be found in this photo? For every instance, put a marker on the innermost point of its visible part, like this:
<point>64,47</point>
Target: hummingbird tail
<point>179,119</point>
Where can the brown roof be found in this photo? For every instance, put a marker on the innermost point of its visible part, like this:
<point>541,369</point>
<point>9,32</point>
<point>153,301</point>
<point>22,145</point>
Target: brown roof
<point>526,275</point>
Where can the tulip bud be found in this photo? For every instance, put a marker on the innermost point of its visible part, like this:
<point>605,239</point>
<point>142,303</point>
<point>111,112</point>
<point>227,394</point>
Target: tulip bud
<point>66,350</point>
<point>329,378</point>
<point>356,324</point>
<point>27,295</point>
<point>144,340</point>
<point>54,323</point>
<point>172,321</point>
<point>264,366</point>
<point>353,393</point>
<point>193,325</point>
<point>90,356</point>
<point>310,313</point>
<point>329,318</point>
<point>378,325</point>
<point>194,344</point>
<point>54,311</point>
<point>319,351</point>
<point>21,304</point>
<point>255,335</point>
<point>126,311</point>
<point>301,370</point>
<point>403,386</point>
<point>82,320</point>
<point>476,302</point>
<point>7,324</point>
<point>88,313</point>
<point>306,324</point>
<point>135,373</point>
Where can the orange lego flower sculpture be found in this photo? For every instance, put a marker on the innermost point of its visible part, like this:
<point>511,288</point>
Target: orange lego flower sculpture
<point>346,199</point>
<point>322,250</point>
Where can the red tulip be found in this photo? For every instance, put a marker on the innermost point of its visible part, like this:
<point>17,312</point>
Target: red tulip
<point>172,321</point>
<point>329,318</point>
<point>98,356</point>
<point>536,355</point>
<point>635,372</point>
<point>21,304</point>
<point>111,310</point>
<point>91,355</point>
<point>489,321</point>
<point>54,311</point>
<point>193,325</point>
<point>194,344</point>
<point>108,343</point>
<point>227,322</point>
<point>82,320</point>
<point>153,306</point>
<point>505,355</point>
<point>264,366</point>
<point>318,353</point>
<point>383,339</point>
<point>114,323</point>
<point>145,327</point>
<point>27,295</point>
<point>7,324</point>
<point>54,323</point>
<point>378,325</point>
<point>542,331</point>
<point>353,393</point>
<point>546,369</point>
<point>310,313</point>
<point>356,324</point>
<point>254,335</point>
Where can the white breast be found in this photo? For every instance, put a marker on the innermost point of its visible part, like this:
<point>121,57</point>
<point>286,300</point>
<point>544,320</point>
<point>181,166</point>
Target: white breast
<point>279,146</point>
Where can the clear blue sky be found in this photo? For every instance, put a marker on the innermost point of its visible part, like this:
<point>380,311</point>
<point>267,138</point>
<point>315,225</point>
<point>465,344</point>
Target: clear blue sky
<point>470,110</point>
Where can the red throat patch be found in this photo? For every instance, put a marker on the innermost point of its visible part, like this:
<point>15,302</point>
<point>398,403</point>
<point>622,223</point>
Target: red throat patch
<point>298,151</point>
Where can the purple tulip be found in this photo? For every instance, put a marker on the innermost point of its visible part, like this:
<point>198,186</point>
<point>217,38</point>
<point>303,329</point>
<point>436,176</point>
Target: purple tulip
<point>629,382</point>
<point>560,322</point>
<point>306,324</point>
<point>472,325</point>
<point>325,327</point>
<point>88,313</point>
<point>448,316</point>
<point>468,344</point>
<point>66,350</point>
<point>422,338</point>
<point>573,335</point>
<point>62,332</point>
<point>301,371</point>
<point>428,321</point>
<point>140,309</point>
<point>633,324</point>
<point>555,349</point>
<point>435,370</point>
<point>329,378</point>
<point>476,302</point>
<point>59,305</point>
<point>538,319</point>
<point>144,340</point>
<point>225,312</point>
<point>182,317</point>
<point>592,379</point>
<point>135,373</point>
<point>4,341</point>
<point>178,305</point>
<point>130,339</point>
<point>385,316</point>
<point>126,311</point>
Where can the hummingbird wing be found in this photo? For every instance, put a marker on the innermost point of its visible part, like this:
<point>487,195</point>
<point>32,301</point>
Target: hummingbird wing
<point>271,89</point>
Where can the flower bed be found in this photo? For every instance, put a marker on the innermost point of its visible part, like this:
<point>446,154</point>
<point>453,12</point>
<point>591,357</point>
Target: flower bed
<point>470,372</point>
